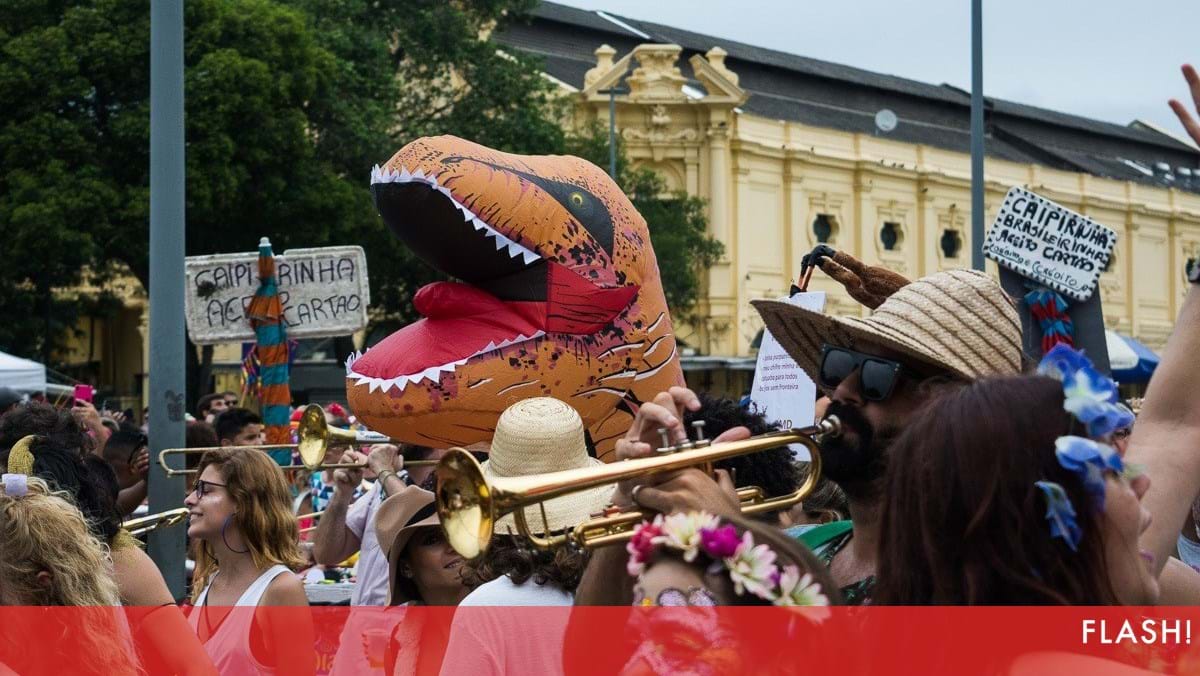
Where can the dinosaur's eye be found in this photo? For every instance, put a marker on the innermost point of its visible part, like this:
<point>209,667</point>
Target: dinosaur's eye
<point>576,199</point>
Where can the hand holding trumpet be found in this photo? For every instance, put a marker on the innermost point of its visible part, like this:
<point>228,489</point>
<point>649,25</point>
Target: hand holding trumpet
<point>679,490</point>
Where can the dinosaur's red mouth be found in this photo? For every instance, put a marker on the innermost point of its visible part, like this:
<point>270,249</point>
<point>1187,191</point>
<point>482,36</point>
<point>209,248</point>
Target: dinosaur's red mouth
<point>460,322</point>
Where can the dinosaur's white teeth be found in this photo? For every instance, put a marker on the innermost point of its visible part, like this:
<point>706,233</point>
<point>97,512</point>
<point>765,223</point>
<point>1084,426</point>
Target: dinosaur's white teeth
<point>403,175</point>
<point>433,373</point>
<point>354,356</point>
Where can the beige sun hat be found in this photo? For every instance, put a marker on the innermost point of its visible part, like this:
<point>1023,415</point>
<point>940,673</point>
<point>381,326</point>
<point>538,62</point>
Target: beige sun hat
<point>958,321</point>
<point>538,436</point>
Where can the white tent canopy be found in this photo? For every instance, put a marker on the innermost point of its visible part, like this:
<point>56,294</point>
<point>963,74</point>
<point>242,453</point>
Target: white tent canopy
<point>21,374</point>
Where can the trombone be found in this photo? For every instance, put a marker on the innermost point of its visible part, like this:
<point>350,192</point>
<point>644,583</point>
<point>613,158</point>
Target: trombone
<point>148,523</point>
<point>468,503</point>
<point>316,438</point>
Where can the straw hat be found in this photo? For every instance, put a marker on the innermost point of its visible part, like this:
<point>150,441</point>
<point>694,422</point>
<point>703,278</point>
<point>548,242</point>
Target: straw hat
<point>958,321</point>
<point>537,436</point>
<point>398,519</point>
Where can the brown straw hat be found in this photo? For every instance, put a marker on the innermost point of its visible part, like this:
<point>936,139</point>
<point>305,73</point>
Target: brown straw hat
<point>959,321</point>
<point>538,436</point>
<point>398,519</point>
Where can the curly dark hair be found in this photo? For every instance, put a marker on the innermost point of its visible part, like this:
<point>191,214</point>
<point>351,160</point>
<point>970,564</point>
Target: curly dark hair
<point>773,470</point>
<point>62,456</point>
<point>521,561</point>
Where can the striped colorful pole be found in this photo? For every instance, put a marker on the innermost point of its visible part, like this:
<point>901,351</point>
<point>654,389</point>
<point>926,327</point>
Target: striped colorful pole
<point>266,316</point>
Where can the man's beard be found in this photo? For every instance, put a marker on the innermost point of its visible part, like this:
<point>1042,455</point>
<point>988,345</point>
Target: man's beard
<point>854,461</point>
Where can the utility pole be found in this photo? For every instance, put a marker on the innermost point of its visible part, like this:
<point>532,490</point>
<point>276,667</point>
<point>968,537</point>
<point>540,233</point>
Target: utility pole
<point>167,342</point>
<point>977,178</point>
<point>612,127</point>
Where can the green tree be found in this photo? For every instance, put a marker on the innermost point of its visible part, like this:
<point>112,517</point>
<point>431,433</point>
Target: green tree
<point>74,184</point>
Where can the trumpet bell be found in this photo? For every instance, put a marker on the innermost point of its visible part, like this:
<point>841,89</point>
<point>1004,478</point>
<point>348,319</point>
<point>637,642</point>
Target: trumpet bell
<point>464,503</point>
<point>314,436</point>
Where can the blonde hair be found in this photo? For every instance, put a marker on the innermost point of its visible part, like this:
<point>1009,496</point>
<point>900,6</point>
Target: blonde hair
<point>263,512</point>
<point>44,531</point>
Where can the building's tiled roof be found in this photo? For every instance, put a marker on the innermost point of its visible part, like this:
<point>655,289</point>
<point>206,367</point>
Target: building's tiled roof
<point>790,87</point>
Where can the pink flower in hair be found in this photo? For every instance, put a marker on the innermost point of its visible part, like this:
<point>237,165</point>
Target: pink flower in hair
<point>719,543</point>
<point>645,539</point>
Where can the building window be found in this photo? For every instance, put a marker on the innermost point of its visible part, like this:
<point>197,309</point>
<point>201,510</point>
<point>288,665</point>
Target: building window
<point>824,228</point>
<point>889,235</point>
<point>951,243</point>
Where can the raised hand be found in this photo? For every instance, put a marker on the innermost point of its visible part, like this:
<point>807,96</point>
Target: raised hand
<point>1181,111</point>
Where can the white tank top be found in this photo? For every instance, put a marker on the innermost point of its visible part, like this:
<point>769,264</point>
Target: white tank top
<point>229,645</point>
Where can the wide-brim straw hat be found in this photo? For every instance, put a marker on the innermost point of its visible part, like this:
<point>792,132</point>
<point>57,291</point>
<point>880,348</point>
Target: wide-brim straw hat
<point>538,436</point>
<point>398,519</point>
<point>957,321</point>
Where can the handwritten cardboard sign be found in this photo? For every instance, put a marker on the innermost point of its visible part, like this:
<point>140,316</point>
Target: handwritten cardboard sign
<point>782,391</point>
<point>1049,244</point>
<point>324,293</point>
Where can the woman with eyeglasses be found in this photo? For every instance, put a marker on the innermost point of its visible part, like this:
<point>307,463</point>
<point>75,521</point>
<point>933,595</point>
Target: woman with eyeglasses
<point>244,540</point>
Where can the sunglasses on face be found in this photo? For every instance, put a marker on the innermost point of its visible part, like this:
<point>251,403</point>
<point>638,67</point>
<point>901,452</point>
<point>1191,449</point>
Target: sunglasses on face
<point>203,487</point>
<point>877,376</point>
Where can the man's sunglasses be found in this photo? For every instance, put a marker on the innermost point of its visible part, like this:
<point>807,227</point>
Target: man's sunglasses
<point>203,487</point>
<point>877,376</point>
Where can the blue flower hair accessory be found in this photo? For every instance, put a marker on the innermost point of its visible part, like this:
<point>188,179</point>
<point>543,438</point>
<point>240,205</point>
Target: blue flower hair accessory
<point>1091,397</point>
<point>1089,461</point>
<point>1088,395</point>
<point>1061,514</point>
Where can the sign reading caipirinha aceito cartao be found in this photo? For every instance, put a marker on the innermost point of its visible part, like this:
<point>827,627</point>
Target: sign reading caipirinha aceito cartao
<point>1049,243</point>
<point>324,292</point>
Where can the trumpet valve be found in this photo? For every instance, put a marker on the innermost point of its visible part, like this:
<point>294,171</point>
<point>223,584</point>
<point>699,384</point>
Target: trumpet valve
<point>666,441</point>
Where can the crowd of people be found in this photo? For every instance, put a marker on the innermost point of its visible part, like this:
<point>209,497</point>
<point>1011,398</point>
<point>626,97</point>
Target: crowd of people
<point>962,472</point>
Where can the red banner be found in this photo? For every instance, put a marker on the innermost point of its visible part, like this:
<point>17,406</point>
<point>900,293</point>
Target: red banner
<point>841,641</point>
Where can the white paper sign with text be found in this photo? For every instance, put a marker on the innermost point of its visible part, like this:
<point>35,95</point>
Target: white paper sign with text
<point>324,293</point>
<point>1049,244</point>
<point>782,391</point>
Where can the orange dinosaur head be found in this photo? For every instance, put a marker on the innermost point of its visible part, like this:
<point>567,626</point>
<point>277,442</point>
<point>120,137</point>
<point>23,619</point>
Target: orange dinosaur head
<point>559,296</point>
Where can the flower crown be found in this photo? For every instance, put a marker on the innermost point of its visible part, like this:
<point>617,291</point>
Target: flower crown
<point>751,567</point>
<point>1091,397</point>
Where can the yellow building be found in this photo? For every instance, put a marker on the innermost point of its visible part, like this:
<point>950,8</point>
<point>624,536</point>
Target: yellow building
<point>790,151</point>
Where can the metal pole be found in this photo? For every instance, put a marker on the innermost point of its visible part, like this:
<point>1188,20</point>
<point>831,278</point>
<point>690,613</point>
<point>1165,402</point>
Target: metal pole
<point>977,179</point>
<point>167,342</point>
<point>612,133</point>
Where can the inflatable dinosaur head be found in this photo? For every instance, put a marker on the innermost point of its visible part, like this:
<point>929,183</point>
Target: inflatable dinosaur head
<point>559,296</point>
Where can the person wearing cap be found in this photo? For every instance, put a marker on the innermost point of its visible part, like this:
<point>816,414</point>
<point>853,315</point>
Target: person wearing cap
<point>533,436</point>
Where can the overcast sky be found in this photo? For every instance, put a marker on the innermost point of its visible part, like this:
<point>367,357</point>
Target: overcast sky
<point>1107,59</point>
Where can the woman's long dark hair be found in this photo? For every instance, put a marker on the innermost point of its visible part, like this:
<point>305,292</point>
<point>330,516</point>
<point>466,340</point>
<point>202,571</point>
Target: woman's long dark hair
<point>963,522</point>
<point>62,455</point>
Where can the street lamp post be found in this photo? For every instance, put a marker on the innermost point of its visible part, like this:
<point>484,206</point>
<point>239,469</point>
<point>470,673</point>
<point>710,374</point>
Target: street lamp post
<point>977,178</point>
<point>612,127</point>
<point>167,342</point>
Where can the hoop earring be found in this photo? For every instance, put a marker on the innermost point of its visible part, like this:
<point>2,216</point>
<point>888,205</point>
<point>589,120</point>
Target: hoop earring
<point>223,527</point>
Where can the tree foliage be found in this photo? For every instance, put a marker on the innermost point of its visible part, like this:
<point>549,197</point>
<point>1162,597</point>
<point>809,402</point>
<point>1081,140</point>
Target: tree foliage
<point>288,104</point>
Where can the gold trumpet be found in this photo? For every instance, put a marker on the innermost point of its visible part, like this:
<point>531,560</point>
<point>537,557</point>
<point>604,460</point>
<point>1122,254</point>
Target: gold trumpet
<point>316,438</point>
<point>145,524</point>
<point>468,503</point>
